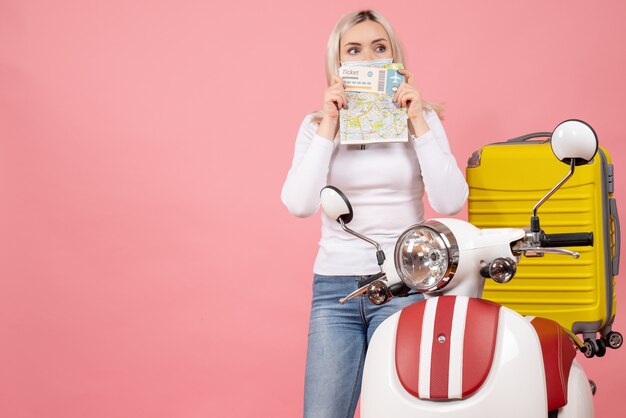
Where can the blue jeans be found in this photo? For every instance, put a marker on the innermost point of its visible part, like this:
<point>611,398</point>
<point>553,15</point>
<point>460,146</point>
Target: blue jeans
<point>338,339</point>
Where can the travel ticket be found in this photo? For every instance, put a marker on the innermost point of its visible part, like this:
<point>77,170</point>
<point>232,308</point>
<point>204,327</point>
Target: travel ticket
<point>371,79</point>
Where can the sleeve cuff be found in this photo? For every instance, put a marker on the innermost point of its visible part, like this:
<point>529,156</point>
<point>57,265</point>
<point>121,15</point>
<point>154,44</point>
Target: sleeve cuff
<point>322,143</point>
<point>424,141</point>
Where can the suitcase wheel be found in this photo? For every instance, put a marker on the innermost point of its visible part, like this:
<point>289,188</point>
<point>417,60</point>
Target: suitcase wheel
<point>614,339</point>
<point>601,347</point>
<point>594,348</point>
<point>589,348</point>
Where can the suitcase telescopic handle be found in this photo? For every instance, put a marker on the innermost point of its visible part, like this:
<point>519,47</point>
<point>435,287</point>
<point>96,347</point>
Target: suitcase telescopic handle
<point>530,136</point>
<point>577,239</point>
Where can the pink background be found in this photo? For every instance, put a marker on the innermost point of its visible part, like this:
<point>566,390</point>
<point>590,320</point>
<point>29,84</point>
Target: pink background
<point>147,265</point>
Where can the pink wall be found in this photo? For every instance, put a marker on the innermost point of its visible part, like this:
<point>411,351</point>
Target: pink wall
<point>148,268</point>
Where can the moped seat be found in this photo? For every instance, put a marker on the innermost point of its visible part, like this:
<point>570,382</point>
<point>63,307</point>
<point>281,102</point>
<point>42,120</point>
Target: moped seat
<point>558,354</point>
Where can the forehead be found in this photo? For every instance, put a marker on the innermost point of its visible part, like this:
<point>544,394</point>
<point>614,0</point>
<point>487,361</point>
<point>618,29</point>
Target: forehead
<point>364,32</point>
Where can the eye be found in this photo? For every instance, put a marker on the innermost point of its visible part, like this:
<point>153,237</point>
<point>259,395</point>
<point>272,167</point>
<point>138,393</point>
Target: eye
<point>353,51</point>
<point>381,48</point>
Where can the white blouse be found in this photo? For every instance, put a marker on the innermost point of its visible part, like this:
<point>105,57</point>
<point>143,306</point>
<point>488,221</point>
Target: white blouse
<point>385,184</point>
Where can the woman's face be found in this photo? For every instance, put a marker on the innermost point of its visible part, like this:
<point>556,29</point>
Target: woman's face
<point>365,41</point>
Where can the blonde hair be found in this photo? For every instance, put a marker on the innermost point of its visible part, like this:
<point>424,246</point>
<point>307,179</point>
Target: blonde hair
<point>333,47</point>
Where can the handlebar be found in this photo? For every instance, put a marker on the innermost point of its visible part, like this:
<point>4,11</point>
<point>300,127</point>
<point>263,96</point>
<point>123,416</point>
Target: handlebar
<point>577,239</point>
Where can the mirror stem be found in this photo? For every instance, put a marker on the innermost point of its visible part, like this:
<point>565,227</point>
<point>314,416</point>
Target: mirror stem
<point>535,220</point>
<point>380,255</point>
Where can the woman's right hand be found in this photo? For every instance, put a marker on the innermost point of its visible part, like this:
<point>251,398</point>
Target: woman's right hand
<point>334,100</point>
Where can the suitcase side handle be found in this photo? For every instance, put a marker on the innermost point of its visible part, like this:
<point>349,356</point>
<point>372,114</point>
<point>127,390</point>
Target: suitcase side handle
<point>525,138</point>
<point>618,235</point>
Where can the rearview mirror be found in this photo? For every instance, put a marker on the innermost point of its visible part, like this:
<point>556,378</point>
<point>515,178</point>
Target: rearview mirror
<point>335,204</point>
<point>575,140</point>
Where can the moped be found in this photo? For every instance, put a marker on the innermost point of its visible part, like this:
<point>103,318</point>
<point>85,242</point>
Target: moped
<point>455,354</point>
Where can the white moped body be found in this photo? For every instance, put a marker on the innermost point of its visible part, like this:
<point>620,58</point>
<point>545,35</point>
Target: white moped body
<point>515,384</point>
<point>514,387</point>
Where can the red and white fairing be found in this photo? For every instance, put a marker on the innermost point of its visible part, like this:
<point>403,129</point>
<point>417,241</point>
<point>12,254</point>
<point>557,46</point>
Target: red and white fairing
<point>455,355</point>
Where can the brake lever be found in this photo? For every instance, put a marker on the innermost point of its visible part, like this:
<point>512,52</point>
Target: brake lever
<point>540,251</point>
<point>361,290</point>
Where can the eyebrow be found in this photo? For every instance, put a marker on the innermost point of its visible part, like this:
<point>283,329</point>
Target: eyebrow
<point>374,41</point>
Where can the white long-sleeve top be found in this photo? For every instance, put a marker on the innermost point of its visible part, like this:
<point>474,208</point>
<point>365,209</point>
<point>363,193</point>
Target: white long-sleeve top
<point>385,184</point>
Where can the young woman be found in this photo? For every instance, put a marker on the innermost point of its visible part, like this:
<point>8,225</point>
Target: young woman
<point>385,184</point>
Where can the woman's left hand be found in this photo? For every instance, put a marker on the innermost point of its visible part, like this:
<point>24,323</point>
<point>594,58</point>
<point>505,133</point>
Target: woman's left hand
<point>409,97</point>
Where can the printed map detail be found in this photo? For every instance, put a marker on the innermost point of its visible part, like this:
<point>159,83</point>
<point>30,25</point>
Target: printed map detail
<point>372,118</point>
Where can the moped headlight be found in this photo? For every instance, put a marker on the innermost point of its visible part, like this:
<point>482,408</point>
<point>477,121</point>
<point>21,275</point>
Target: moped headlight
<point>427,256</point>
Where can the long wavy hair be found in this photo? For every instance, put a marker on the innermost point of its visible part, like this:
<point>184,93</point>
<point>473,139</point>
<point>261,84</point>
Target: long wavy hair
<point>333,47</point>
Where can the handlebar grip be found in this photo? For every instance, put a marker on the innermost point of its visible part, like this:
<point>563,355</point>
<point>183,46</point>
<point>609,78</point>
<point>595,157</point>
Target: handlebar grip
<point>577,239</point>
<point>370,279</point>
<point>399,290</point>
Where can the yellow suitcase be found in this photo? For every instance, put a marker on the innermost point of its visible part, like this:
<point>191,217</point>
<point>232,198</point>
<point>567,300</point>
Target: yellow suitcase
<point>506,180</point>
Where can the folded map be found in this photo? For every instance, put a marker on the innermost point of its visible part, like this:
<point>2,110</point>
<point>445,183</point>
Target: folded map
<point>372,116</point>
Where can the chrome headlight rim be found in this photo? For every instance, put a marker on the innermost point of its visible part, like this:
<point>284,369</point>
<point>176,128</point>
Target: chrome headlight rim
<point>452,249</point>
